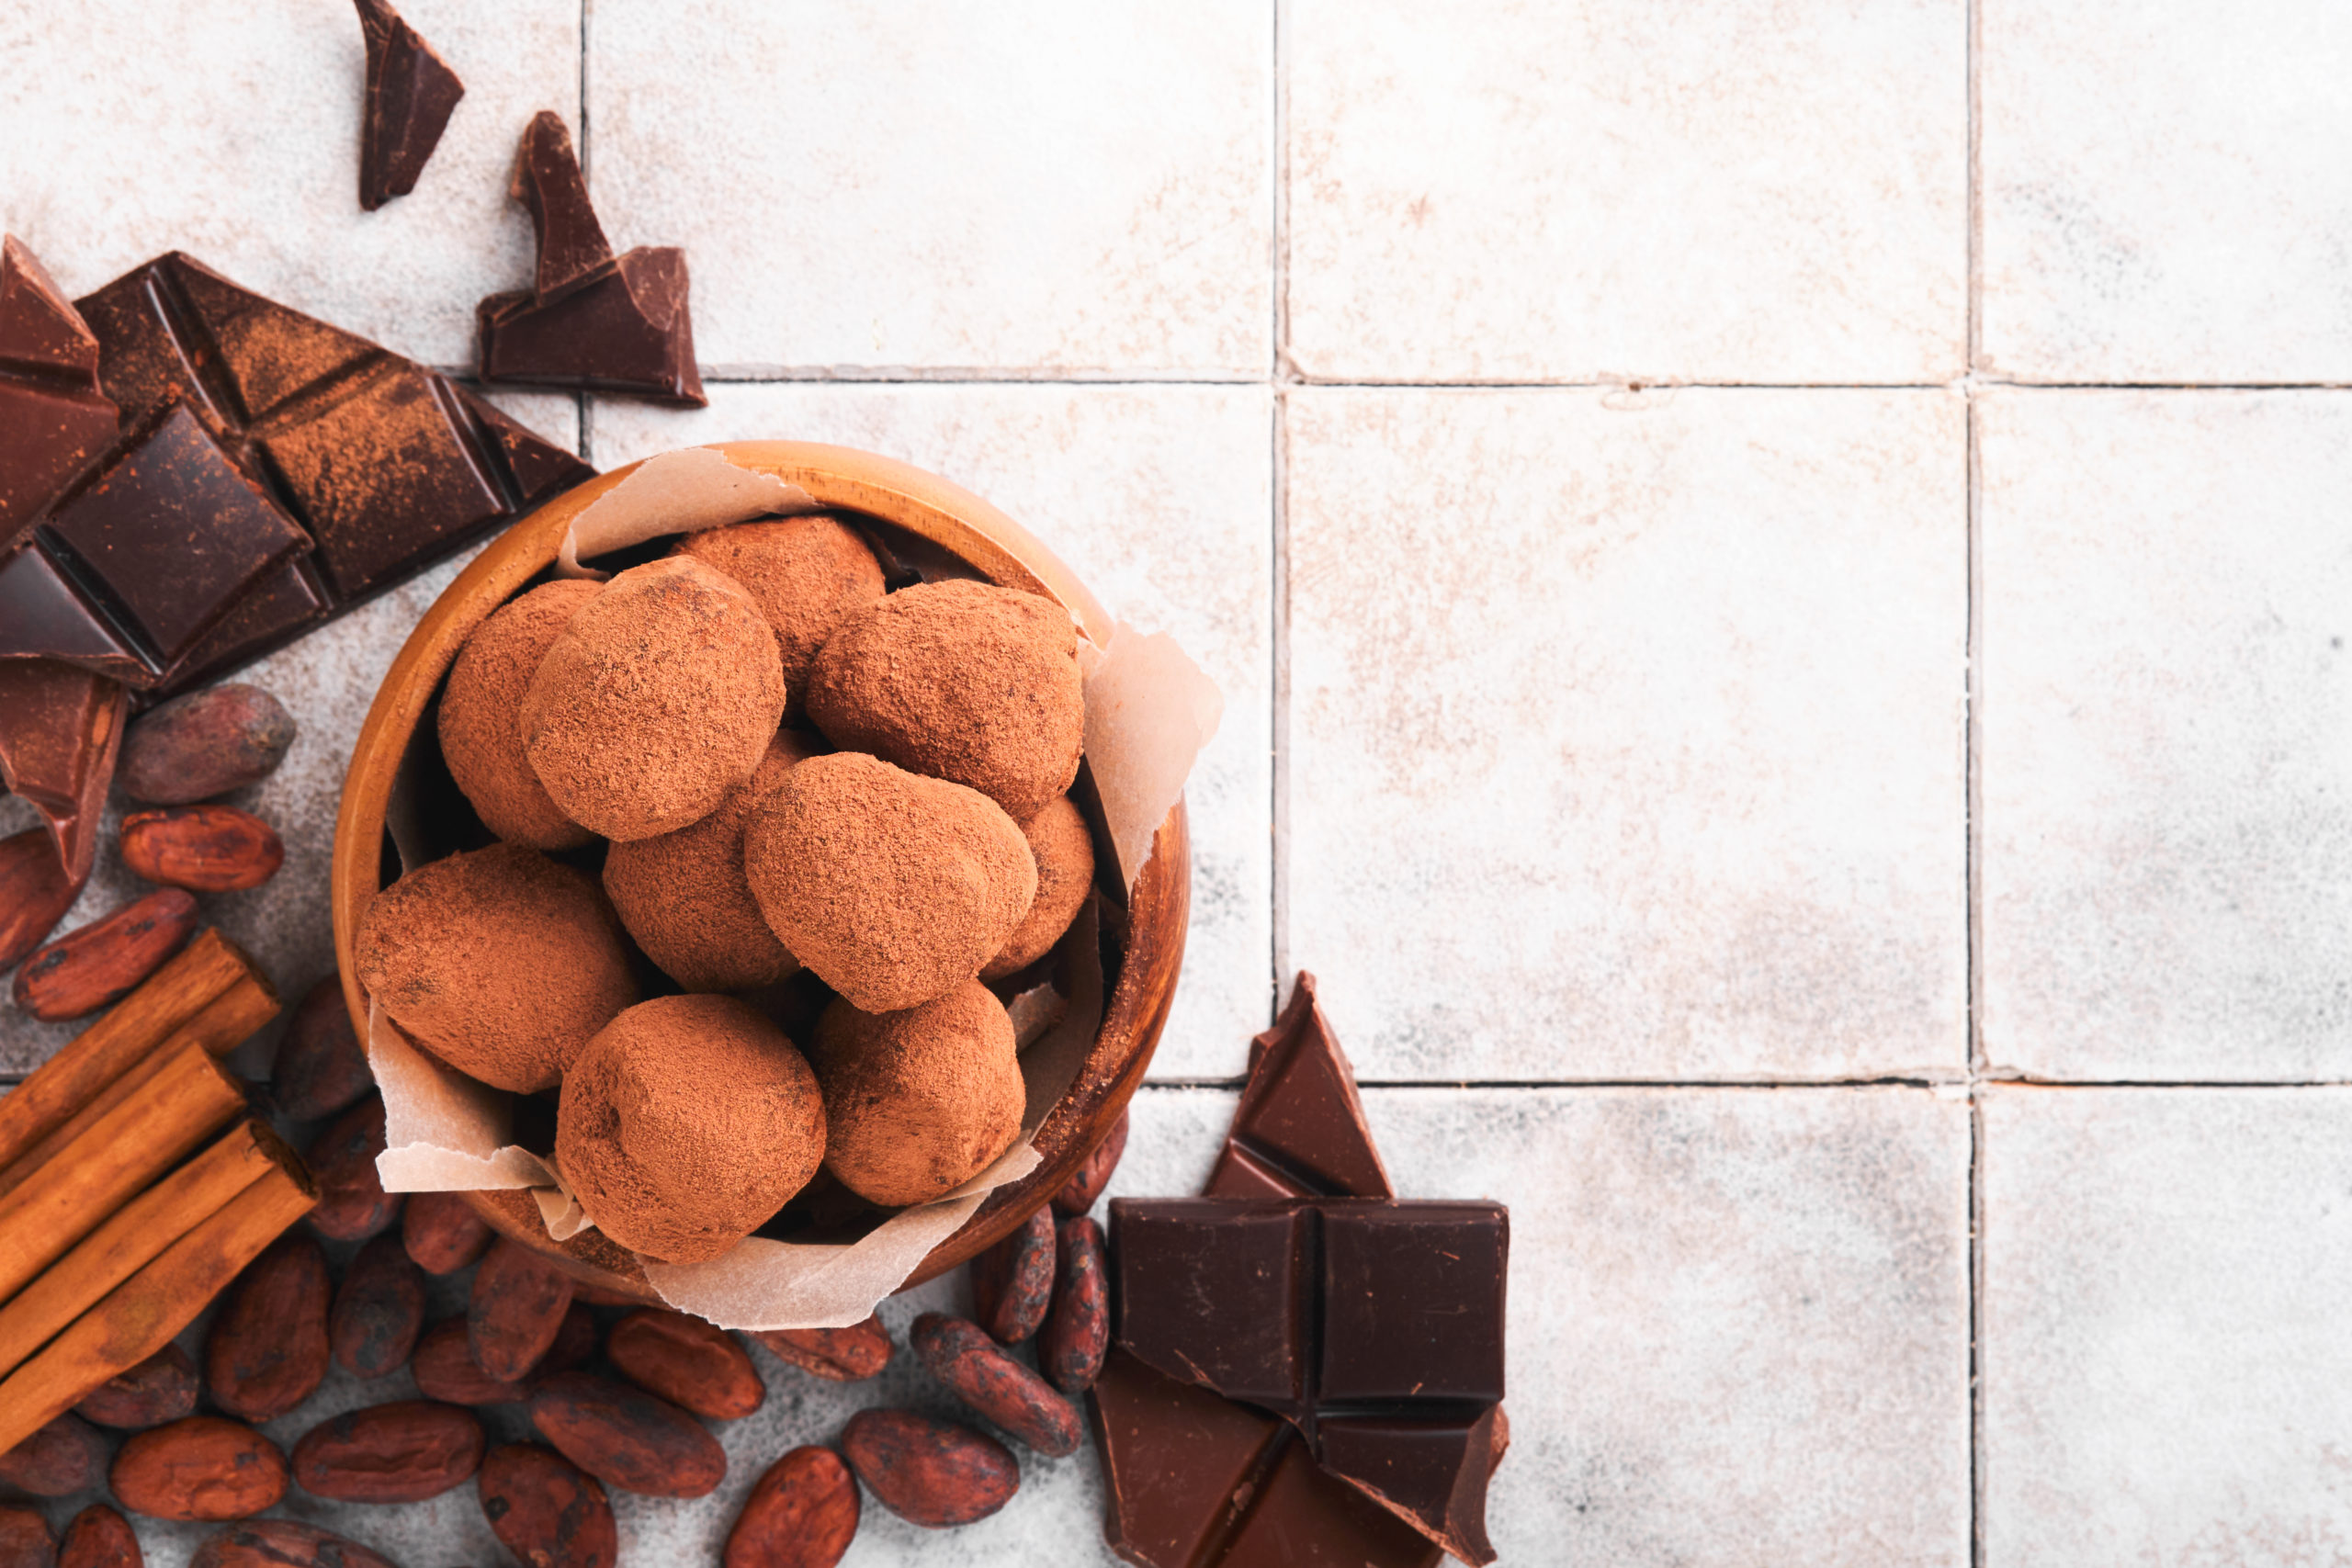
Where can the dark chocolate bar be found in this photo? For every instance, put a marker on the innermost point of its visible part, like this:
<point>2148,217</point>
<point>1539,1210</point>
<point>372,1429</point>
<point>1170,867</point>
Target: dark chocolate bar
<point>59,729</point>
<point>53,420</point>
<point>411,92</point>
<point>1299,1131</point>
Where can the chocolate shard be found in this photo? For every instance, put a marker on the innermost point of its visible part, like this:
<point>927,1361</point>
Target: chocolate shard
<point>540,468</point>
<point>53,420</point>
<point>59,730</point>
<point>1300,1131</point>
<point>571,244</point>
<point>411,92</point>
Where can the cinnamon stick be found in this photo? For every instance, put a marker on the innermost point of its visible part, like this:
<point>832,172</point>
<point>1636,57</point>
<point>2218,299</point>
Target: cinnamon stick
<point>142,1313</point>
<point>139,1230</point>
<point>156,1127</point>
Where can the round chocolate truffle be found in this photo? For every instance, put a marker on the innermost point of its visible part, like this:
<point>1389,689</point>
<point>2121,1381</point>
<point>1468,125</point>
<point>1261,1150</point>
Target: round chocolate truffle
<point>684,896</point>
<point>891,886</point>
<point>498,961</point>
<point>917,1102</point>
<point>657,700</point>
<point>480,738</point>
<point>805,574</point>
<point>685,1123</point>
<point>1064,851</point>
<point>962,680</point>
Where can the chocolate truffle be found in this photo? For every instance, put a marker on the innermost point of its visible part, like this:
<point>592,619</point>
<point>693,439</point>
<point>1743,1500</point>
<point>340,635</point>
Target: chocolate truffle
<point>805,574</point>
<point>891,886</point>
<point>685,1123</point>
<point>656,701</point>
<point>962,680</point>
<point>500,961</point>
<point>917,1102</point>
<point>481,739</point>
<point>1064,851</point>
<point>683,895</point>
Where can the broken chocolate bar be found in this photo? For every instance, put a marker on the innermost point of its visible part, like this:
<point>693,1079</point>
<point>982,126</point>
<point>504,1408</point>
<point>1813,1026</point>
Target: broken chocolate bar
<point>59,729</point>
<point>591,320</point>
<point>53,420</point>
<point>411,92</point>
<point>1299,1131</point>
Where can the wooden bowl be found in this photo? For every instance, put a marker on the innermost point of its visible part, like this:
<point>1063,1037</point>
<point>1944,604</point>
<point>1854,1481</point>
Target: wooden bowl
<point>1134,1012</point>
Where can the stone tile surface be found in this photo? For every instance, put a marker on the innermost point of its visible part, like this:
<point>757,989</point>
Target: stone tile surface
<point>1161,498</point>
<point>1625,735</point>
<point>1048,185</point>
<point>2166,1374</point>
<point>2165,193</point>
<point>130,129</point>
<point>1730,191</point>
<point>2165,731</point>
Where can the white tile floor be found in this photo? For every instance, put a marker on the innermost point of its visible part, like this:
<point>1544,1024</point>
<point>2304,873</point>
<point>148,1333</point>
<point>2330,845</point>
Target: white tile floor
<point>1880,643</point>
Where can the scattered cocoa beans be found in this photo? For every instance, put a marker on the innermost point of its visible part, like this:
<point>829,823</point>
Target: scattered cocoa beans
<point>282,1543</point>
<point>1012,1282</point>
<point>545,1510</point>
<point>98,1538</point>
<point>441,1232</point>
<point>401,1452</point>
<point>1079,1193</point>
<point>35,893</point>
<point>97,965</point>
<point>687,1361</point>
<point>517,1304</point>
<point>203,1467</point>
<point>444,1368</point>
<point>204,744</point>
<point>838,1355</point>
<point>801,1513</point>
<point>321,1066</point>
<point>161,1388</point>
<point>205,849</point>
<point>379,1310</point>
<point>353,1204</point>
<point>627,1437</point>
<point>971,1366</point>
<point>933,1473</point>
<point>1078,1332</point>
<point>268,1348</point>
<point>26,1538</point>
<point>58,1460</point>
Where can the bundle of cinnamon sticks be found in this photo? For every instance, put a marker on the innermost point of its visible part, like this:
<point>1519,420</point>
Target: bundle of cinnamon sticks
<point>135,1183</point>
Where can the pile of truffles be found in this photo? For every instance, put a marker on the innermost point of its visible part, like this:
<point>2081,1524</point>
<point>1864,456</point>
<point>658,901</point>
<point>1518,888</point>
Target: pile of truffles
<point>788,768</point>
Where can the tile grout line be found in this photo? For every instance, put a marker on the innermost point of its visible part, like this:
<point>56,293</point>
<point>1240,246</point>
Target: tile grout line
<point>1278,521</point>
<point>1286,375</point>
<point>1974,786</point>
<point>587,451</point>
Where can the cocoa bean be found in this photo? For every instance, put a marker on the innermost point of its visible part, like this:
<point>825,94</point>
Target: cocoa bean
<point>97,965</point>
<point>971,1366</point>
<point>575,1343</point>
<point>441,1232</point>
<point>1012,1282</point>
<point>321,1066</point>
<point>933,1473</point>
<point>268,1348</point>
<point>205,849</point>
<point>161,1388</point>
<point>201,1467</point>
<point>58,1460</point>
<point>801,1513</point>
<point>687,1361</point>
<point>282,1543</point>
<point>444,1368</point>
<point>545,1510</point>
<point>379,1310</point>
<point>26,1540</point>
<point>204,744</point>
<point>518,1305</point>
<point>401,1452</point>
<point>353,1204</point>
<point>98,1538</point>
<point>627,1437</point>
<point>1078,1332</point>
<point>1079,1193</point>
<point>35,892</point>
<point>838,1355</point>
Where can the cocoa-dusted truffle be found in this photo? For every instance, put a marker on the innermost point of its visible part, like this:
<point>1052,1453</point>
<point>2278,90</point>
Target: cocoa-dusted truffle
<point>685,1123</point>
<point>481,739</point>
<point>917,1102</point>
<point>500,961</point>
<point>658,699</point>
<point>683,897</point>
<point>961,681</point>
<point>1064,851</point>
<point>805,574</point>
<point>891,886</point>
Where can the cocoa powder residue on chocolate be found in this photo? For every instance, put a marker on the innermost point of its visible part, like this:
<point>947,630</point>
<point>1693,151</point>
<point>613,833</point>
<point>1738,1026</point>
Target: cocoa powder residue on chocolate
<point>482,738</point>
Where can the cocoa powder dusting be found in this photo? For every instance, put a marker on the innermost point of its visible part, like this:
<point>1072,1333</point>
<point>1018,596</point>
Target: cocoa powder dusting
<point>921,1101</point>
<point>805,574</point>
<point>481,739</point>
<point>1064,851</point>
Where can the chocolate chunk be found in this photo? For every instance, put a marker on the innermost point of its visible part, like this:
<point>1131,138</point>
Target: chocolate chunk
<point>1299,1131</point>
<point>571,244</point>
<point>42,616</point>
<point>410,91</point>
<point>53,420</point>
<point>59,730</point>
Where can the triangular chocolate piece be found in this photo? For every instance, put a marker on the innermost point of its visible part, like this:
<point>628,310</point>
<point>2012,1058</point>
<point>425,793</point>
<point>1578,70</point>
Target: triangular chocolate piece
<point>1300,1129</point>
<point>40,329</point>
<point>411,92</point>
<point>628,331</point>
<point>539,466</point>
<point>571,244</point>
<point>60,728</point>
<point>53,420</point>
<point>272,353</point>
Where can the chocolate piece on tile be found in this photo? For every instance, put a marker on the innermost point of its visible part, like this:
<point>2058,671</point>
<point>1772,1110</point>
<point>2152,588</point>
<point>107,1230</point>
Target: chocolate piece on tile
<point>1299,1131</point>
<point>540,467</point>
<point>411,92</point>
<point>59,729</point>
<point>547,181</point>
<point>53,420</point>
